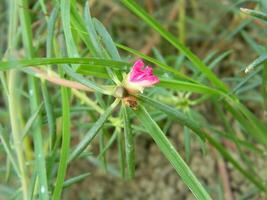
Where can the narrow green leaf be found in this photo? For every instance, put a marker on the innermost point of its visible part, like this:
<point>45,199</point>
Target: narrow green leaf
<point>91,31</point>
<point>89,136</point>
<point>89,62</point>
<point>171,154</point>
<point>194,126</point>
<point>107,40</point>
<point>51,29</point>
<point>158,55</point>
<point>186,86</point>
<point>4,84</point>
<point>84,81</point>
<point>69,182</point>
<point>254,13</point>
<point>25,19</point>
<point>79,25</point>
<point>250,40</point>
<point>47,98</point>
<point>66,136</point>
<point>49,113</point>
<point>8,150</point>
<point>219,58</point>
<point>129,144</point>
<point>98,72</point>
<point>248,121</point>
<point>245,80</point>
<point>103,158</point>
<point>109,143</point>
<point>65,17</point>
<point>134,7</point>
<point>32,184</point>
<point>260,60</point>
<point>121,155</point>
<point>31,121</point>
<point>246,144</point>
<point>13,103</point>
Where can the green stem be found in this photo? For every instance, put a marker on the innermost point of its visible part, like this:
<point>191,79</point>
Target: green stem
<point>34,101</point>
<point>87,100</point>
<point>18,145</point>
<point>13,101</point>
<point>63,163</point>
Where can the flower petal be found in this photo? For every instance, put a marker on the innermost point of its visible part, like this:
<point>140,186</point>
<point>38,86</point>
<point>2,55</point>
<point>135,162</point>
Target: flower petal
<point>138,65</point>
<point>140,77</point>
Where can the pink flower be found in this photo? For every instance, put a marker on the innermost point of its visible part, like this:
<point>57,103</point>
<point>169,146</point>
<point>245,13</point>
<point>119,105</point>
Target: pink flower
<point>140,77</point>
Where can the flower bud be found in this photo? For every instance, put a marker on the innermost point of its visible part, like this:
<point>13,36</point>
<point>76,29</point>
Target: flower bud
<point>139,78</point>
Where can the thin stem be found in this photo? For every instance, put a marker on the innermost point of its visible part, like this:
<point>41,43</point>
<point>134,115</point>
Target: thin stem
<point>13,101</point>
<point>34,102</point>
<point>63,163</point>
<point>17,138</point>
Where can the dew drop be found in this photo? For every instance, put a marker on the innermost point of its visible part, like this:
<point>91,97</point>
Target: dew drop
<point>31,92</point>
<point>43,189</point>
<point>248,69</point>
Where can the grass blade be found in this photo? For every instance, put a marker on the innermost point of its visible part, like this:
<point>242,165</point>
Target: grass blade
<point>66,136</point>
<point>75,180</point>
<point>89,62</point>
<point>107,40</point>
<point>97,51</point>
<point>51,28</point>
<point>79,25</point>
<point>186,86</point>
<point>171,154</point>
<point>254,13</point>
<point>121,153</point>
<point>65,17</point>
<point>103,158</point>
<point>129,144</point>
<point>89,136</point>
<point>108,145</point>
<point>49,113</point>
<point>31,121</point>
<point>194,126</point>
<point>40,161</point>
<point>134,7</point>
<point>85,81</point>
<point>8,149</point>
<point>250,123</point>
<point>260,60</point>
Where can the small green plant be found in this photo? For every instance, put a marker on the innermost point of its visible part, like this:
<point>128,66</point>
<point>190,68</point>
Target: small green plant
<point>42,93</point>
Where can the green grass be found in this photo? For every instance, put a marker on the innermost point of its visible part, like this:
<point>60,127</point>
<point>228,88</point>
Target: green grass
<point>61,68</point>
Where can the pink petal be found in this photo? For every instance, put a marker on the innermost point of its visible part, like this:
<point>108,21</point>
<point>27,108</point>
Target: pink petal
<point>136,69</point>
<point>149,70</point>
<point>138,65</point>
<point>149,82</point>
<point>140,76</point>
